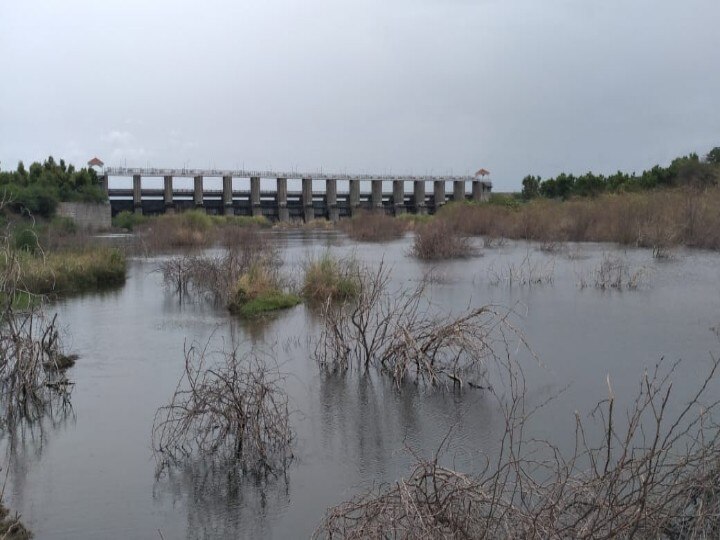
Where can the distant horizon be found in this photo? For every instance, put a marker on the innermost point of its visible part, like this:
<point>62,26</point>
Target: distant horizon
<point>506,186</point>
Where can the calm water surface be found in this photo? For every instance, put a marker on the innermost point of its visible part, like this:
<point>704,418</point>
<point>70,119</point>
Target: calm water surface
<point>91,474</point>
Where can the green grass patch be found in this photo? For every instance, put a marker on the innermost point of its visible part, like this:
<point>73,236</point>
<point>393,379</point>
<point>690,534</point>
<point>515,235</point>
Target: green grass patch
<point>264,303</point>
<point>259,291</point>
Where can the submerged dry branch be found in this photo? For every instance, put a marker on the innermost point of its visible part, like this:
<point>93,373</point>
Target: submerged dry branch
<point>32,366</point>
<point>226,407</point>
<point>648,475</point>
<point>395,332</point>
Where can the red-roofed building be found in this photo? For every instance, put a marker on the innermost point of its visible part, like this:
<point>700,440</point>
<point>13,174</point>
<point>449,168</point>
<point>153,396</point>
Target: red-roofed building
<point>95,162</point>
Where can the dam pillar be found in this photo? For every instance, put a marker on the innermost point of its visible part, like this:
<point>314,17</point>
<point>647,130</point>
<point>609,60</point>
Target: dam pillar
<point>399,197</point>
<point>459,191</point>
<point>376,195</point>
<point>105,184</point>
<point>331,205</point>
<point>281,197</point>
<point>137,193</point>
<point>419,197</point>
<point>168,194</point>
<point>477,190</point>
<point>439,193</point>
<point>307,200</point>
<point>198,192</point>
<point>227,196</point>
<point>481,190</point>
<point>255,196</point>
<point>354,199</point>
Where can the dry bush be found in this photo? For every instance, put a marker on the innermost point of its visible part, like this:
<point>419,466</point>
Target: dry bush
<point>373,227</point>
<point>395,332</point>
<point>614,272</point>
<point>227,407</point>
<point>191,229</point>
<point>32,365</point>
<point>646,474</point>
<point>11,528</point>
<point>439,240</point>
<point>492,242</point>
<point>659,218</point>
<point>553,247</point>
<point>218,277</point>
<point>32,368</point>
<point>528,272</point>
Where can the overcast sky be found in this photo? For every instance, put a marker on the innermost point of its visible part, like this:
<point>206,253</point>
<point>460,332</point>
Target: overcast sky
<point>386,86</point>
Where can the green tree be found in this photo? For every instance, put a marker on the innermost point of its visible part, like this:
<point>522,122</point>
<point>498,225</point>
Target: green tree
<point>713,156</point>
<point>531,187</point>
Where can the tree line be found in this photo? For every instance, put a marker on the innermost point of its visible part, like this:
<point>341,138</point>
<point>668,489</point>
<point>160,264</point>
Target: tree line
<point>38,189</point>
<point>685,170</point>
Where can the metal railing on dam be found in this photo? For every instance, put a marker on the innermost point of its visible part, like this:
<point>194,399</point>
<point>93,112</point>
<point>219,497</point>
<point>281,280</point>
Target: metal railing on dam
<point>282,204</point>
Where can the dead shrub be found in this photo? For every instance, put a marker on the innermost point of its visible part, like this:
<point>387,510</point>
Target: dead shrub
<point>191,229</point>
<point>217,277</point>
<point>528,272</point>
<point>395,332</point>
<point>659,218</point>
<point>32,364</point>
<point>614,272</point>
<point>645,474</point>
<point>373,227</point>
<point>227,407</point>
<point>438,240</point>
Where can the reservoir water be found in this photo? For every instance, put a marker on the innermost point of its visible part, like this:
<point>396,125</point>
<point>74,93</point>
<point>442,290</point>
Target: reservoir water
<point>90,474</point>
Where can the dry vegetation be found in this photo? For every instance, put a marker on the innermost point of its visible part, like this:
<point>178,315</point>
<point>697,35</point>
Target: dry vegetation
<point>529,271</point>
<point>33,382</point>
<point>438,239</point>
<point>614,273</point>
<point>32,364</point>
<point>647,474</point>
<point>246,278</point>
<point>228,407</point>
<point>658,219</point>
<point>394,332</point>
<point>374,227</point>
<point>190,229</point>
<point>11,528</point>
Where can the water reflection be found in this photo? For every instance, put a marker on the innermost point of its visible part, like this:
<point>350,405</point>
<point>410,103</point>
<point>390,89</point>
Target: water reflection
<point>220,501</point>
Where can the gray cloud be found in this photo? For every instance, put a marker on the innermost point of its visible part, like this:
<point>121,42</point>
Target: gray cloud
<point>516,86</point>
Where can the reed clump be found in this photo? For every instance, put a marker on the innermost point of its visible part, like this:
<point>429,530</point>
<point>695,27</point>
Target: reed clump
<point>438,240</point>
<point>330,279</point>
<point>68,272</point>
<point>373,227</point>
